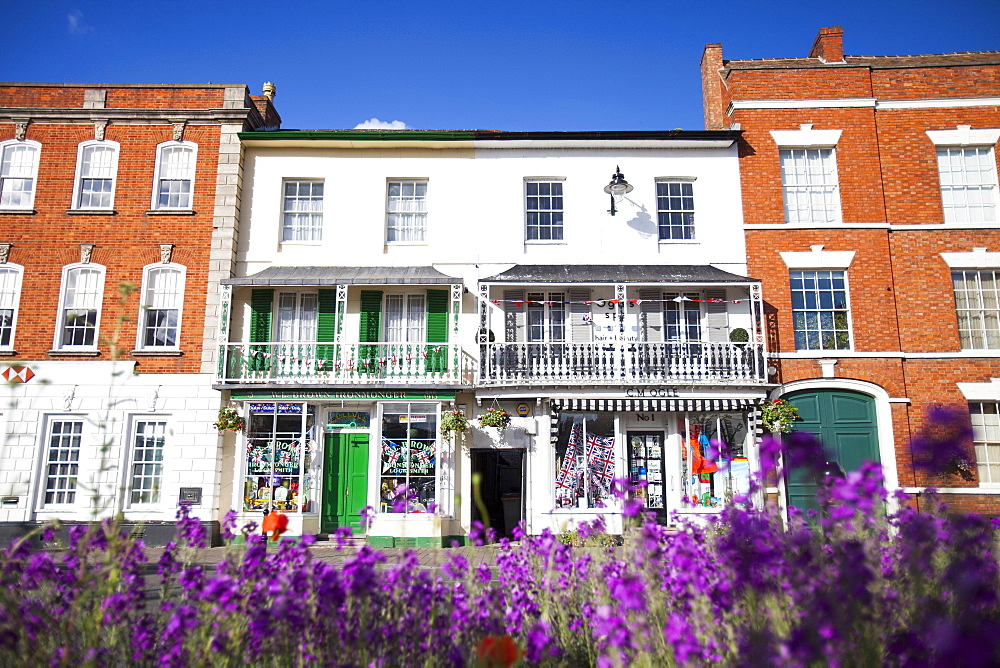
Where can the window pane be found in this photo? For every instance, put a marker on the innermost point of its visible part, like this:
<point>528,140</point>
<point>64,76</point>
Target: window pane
<point>147,458</point>
<point>977,305</point>
<point>674,207</point>
<point>968,184</point>
<point>809,185</point>
<point>544,210</point>
<point>819,310</point>
<point>302,211</point>
<point>63,459</point>
<point>406,211</point>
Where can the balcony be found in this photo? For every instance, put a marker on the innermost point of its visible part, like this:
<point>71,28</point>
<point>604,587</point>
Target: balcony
<point>622,363</point>
<point>349,363</point>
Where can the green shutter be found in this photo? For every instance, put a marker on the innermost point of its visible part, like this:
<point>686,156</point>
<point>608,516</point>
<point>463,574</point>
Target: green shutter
<point>437,330</point>
<point>326,327</point>
<point>261,306</point>
<point>371,331</point>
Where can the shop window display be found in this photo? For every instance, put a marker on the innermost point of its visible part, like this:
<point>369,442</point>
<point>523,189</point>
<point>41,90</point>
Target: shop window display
<point>714,466</point>
<point>279,456</point>
<point>409,457</point>
<point>585,460</point>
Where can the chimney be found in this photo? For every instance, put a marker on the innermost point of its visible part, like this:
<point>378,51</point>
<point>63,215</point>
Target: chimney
<point>829,45</point>
<point>711,87</point>
<point>269,118</point>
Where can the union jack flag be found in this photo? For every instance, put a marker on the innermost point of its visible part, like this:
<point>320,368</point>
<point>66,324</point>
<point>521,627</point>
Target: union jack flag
<point>601,462</point>
<point>569,474</point>
<point>391,454</point>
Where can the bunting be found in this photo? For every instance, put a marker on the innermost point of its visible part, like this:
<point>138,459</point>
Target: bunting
<point>600,303</point>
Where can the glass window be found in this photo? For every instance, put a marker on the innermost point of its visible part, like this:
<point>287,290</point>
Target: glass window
<point>809,185</point>
<point>968,183</point>
<point>675,209</point>
<point>819,310</point>
<point>175,176</point>
<point>148,438</point>
<point>62,462</point>
<point>10,295</point>
<point>162,297</point>
<point>546,317</point>
<point>280,447</point>
<point>406,211</point>
<point>82,292</point>
<point>18,169</point>
<point>682,318</point>
<point>96,172</point>
<point>302,211</point>
<point>977,302</point>
<point>544,210</point>
<point>405,319</point>
<point>585,460</point>
<point>986,439</point>
<point>708,482</point>
<point>408,476</point>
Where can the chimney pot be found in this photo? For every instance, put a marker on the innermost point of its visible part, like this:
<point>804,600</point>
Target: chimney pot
<point>268,90</point>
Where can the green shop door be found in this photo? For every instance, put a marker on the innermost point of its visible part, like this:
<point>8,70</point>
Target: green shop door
<point>345,481</point>
<point>844,422</point>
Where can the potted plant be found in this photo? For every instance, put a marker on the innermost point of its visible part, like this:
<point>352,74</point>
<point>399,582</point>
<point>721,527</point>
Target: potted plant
<point>739,335</point>
<point>453,421</point>
<point>230,420</point>
<point>778,416</point>
<point>495,417</point>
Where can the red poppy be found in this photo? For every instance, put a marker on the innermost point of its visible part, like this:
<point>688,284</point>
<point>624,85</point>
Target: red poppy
<point>275,524</point>
<point>499,652</point>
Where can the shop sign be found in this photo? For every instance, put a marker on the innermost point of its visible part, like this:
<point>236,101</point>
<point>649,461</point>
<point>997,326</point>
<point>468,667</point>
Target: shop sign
<point>291,395</point>
<point>523,409</point>
<point>282,408</point>
<point>349,420</point>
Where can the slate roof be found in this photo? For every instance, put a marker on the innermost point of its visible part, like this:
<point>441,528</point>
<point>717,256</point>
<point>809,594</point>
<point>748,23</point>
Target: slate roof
<point>874,62</point>
<point>345,276</point>
<point>616,273</point>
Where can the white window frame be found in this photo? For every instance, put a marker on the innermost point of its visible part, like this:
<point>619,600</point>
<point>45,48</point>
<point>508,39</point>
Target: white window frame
<point>159,176</point>
<point>155,489</point>
<point>984,187</point>
<point>679,181</point>
<point>79,176</point>
<point>290,234</point>
<point>10,298</point>
<point>61,314</point>
<point>808,139</point>
<point>418,209</point>
<point>303,323</point>
<point>145,305</point>
<point>819,309</point>
<point>44,478</point>
<point>36,150</point>
<point>412,315</point>
<point>561,210</point>
<point>980,314</point>
<point>546,314</point>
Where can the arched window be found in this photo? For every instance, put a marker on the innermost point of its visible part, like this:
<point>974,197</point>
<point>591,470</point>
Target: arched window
<point>80,307</point>
<point>96,173</point>
<point>160,314</point>
<point>173,181</point>
<point>18,171</point>
<point>10,295</point>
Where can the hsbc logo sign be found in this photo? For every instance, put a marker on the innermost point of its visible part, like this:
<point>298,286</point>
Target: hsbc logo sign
<point>17,374</point>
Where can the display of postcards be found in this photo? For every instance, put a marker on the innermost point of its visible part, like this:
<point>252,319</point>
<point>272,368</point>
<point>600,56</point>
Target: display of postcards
<point>656,489</point>
<point>638,451</point>
<point>655,452</point>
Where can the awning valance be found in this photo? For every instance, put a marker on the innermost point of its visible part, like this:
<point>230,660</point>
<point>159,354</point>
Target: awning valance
<point>652,405</point>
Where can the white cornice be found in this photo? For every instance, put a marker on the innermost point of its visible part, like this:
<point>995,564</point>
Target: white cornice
<point>977,259</point>
<point>818,258</point>
<point>806,136</point>
<point>849,102</point>
<point>964,135</point>
<point>930,227</point>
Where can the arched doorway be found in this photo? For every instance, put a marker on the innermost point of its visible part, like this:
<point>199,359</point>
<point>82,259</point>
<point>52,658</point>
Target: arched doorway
<point>845,423</point>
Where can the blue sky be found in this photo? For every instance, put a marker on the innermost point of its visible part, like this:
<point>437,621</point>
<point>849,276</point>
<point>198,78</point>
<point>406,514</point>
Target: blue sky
<point>511,65</point>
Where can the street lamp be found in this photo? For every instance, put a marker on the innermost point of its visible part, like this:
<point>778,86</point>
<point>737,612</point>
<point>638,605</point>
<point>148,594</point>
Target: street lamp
<point>618,188</point>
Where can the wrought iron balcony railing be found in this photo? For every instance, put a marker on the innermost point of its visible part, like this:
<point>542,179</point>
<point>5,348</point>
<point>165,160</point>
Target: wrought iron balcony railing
<point>621,362</point>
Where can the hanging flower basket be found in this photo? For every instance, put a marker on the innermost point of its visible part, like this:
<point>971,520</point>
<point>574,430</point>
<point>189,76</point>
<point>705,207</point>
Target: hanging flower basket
<point>453,421</point>
<point>495,417</point>
<point>778,416</point>
<point>230,420</point>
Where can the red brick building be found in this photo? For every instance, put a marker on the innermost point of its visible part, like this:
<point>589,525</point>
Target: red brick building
<point>871,216</point>
<point>118,210</point>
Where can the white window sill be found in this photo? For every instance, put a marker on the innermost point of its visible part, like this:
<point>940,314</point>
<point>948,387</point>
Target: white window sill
<point>302,243</point>
<point>157,352</point>
<point>667,242</point>
<point>170,212</point>
<point>91,212</point>
<point>21,210</point>
<point>405,243</point>
<point>545,242</point>
<point>82,352</point>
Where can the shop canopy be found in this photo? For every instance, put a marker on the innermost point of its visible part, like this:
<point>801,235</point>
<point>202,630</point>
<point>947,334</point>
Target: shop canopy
<point>277,276</point>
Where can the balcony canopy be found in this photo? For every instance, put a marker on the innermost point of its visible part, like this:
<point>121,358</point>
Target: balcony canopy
<point>345,276</point>
<point>683,274</point>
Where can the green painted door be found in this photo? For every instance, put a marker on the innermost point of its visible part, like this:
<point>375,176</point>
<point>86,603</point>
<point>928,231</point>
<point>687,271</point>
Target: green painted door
<point>844,422</point>
<point>345,481</point>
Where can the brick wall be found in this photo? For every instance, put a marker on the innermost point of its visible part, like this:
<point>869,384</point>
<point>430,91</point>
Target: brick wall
<point>901,297</point>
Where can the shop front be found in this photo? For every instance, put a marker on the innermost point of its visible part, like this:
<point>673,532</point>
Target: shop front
<point>680,456</point>
<point>371,461</point>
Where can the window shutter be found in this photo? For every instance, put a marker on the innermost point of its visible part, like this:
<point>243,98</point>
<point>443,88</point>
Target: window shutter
<point>371,331</point>
<point>437,329</point>
<point>326,326</point>
<point>651,315</point>
<point>261,306</point>
<point>717,316</point>
<point>371,316</point>
<point>514,318</point>
<point>580,330</point>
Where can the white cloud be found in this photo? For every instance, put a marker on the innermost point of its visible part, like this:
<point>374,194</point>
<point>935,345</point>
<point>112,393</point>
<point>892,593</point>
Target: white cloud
<point>76,25</point>
<point>374,123</point>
